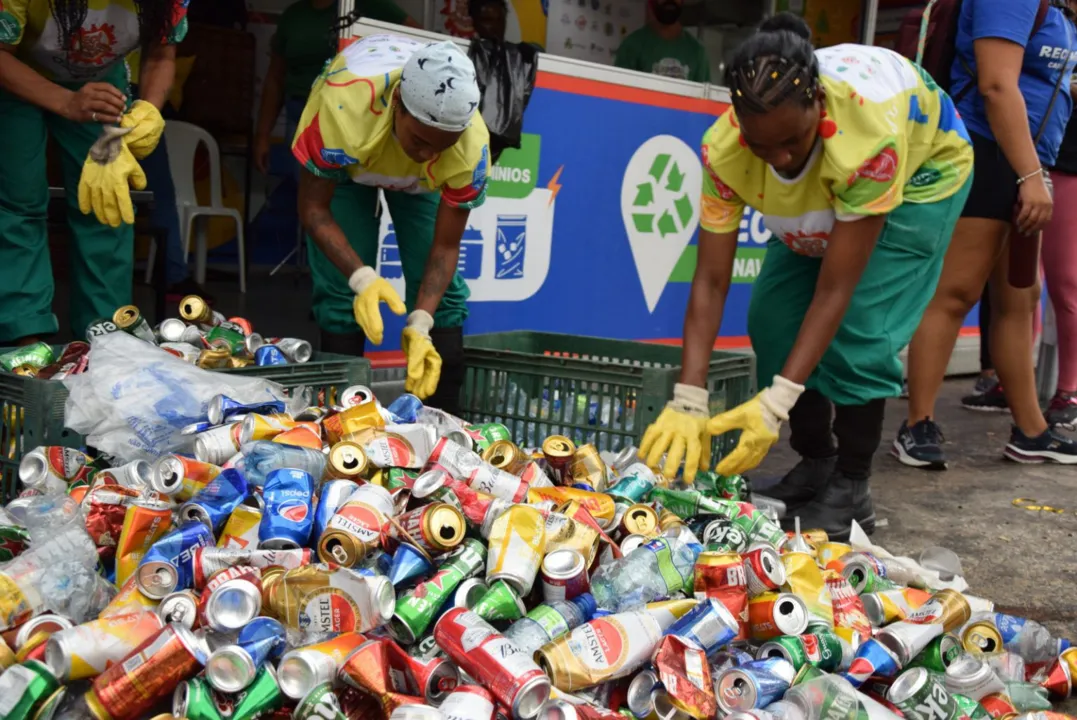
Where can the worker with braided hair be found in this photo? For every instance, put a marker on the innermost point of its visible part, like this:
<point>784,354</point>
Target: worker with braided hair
<point>63,73</point>
<point>860,165</point>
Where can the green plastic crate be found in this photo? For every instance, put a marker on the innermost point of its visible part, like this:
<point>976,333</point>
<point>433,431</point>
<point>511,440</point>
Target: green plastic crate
<point>32,410</point>
<point>593,390</point>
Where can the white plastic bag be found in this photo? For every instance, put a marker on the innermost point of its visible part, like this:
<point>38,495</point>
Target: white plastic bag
<point>135,397</point>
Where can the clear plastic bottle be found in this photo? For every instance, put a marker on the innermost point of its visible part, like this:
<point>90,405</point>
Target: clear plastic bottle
<point>653,571</point>
<point>550,621</point>
<point>1027,638</point>
<point>262,457</point>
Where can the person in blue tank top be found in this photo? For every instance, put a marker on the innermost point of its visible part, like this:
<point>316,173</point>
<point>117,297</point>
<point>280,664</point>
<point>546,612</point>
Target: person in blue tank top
<point>1011,79</point>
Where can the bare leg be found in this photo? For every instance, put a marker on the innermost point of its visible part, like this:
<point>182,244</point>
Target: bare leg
<point>973,251</point>
<point>1011,347</point>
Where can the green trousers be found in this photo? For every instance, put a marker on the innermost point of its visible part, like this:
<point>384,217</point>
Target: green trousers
<point>355,207</point>
<point>101,258</point>
<point>862,362</point>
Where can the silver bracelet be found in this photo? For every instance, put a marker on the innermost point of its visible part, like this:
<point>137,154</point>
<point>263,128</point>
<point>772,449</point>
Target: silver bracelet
<point>1032,174</point>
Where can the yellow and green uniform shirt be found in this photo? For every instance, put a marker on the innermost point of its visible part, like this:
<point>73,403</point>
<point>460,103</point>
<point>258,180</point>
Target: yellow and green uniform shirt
<point>346,131</point>
<point>109,32</point>
<point>889,136</point>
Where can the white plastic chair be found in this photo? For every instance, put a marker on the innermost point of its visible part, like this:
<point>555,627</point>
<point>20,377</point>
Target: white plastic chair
<point>183,141</point>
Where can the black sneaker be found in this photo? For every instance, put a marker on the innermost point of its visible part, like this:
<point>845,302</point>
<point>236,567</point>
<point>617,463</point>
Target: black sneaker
<point>992,400</point>
<point>1047,447</point>
<point>984,383</point>
<point>801,484</point>
<point>1062,412</point>
<point>920,446</point>
<point>842,501</point>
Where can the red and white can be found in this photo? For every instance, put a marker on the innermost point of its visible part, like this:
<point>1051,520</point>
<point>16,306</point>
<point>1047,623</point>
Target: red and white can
<point>208,561</point>
<point>564,575</point>
<point>232,598</point>
<point>763,569</point>
<point>721,575</point>
<point>468,702</point>
<point>490,657</point>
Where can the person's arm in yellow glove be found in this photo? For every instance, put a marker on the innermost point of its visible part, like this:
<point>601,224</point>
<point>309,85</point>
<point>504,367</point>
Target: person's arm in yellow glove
<point>444,255</point>
<point>109,173</point>
<point>156,75</point>
<point>370,291</point>
<point>424,362</point>
<point>315,196</point>
<point>675,432</point>
<point>759,421</point>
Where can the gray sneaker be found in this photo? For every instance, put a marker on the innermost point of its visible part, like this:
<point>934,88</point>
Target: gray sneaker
<point>801,484</point>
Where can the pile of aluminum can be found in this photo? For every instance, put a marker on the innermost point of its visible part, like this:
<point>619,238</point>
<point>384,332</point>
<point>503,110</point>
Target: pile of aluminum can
<point>201,336</point>
<point>361,561</point>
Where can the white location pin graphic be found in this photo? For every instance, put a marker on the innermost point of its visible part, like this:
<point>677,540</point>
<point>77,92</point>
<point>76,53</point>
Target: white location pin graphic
<point>660,208</point>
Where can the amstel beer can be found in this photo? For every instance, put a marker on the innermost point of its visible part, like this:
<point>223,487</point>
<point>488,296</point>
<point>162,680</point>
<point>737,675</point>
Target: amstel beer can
<point>323,598</point>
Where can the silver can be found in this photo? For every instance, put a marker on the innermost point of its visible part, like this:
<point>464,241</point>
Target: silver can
<point>167,474</point>
<point>192,336</point>
<point>665,709</point>
<point>180,607</point>
<point>170,330</point>
<point>906,639</point>
<point>230,669</point>
<point>252,342</point>
<point>970,676</point>
<point>355,395</point>
<point>296,350</point>
<point>216,446</point>
<point>233,604</point>
<point>415,712</point>
<point>641,689</point>
<point>631,542</point>
<point>137,474</point>
<point>303,669</point>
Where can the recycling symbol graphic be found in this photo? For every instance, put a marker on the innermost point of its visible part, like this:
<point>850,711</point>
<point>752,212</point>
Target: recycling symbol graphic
<point>660,208</point>
<point>662,204</point>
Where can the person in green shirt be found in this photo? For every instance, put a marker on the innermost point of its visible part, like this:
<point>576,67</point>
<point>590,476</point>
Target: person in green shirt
<point>662,47</point>
<point>305,39</point>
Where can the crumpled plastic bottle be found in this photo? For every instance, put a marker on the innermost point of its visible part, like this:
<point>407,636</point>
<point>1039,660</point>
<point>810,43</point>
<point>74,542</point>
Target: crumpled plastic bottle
<point>648,573</point>
<point>56,573</point>
<point>262,457</point>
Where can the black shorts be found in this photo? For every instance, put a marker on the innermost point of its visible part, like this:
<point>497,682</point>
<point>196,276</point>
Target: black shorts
<point>994,182</point>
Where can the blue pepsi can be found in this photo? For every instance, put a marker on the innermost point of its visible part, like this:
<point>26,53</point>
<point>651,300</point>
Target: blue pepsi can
<point>169,563</point>
<point>215,502</point>
<point>222,407</point>
<point>709,624</point>
<point>287,519</point>
<point>331,496</point>
<point>754,684</point>
<point>269,355</point>
<point>405,409</point>
<point>872,658</point>
<point>231,668</point>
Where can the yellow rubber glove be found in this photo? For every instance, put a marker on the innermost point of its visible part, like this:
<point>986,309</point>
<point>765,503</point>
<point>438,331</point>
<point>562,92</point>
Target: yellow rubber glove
<point>759,421</point>
<point>678,433</point>
<point>424,363</point>
<point>146,125</point>
<point>108,174</point>
<point>370,290</point>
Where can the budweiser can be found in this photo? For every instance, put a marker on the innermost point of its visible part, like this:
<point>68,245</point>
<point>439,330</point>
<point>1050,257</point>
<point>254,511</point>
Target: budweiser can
<point>479,650</point>
<point>721,575</point>
<point>132,687</point>
<point>468,702</point>
<point>208,561</point>
<point>89,649</point>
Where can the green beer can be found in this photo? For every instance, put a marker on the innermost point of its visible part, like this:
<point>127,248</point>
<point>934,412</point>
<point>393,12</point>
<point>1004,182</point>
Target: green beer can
<point>631,488</point>
<point>321,703</point>
<point>25,688</point>
<point>232,340</point>
<point>920,695</point>
<point>971,708</point>
<point>130,319</point>
<point>788,647</point>
<point>193,700</point>
<point>938,654</point>
<point>261,697</point>
<point>416,610</point>
<point>687,504</point>
<point>486,434</point>
<point>37,355</point>
<point>99,328</point>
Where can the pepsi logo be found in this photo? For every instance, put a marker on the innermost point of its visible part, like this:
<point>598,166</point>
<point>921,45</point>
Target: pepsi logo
<point>294,512</point>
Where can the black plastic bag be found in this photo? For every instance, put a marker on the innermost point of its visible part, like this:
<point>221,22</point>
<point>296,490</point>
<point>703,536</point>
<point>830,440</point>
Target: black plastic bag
<point>506,74</point>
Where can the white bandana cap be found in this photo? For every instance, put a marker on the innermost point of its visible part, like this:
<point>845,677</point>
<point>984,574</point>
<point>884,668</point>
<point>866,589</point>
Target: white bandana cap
<point>439,88</point>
